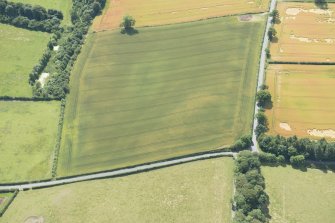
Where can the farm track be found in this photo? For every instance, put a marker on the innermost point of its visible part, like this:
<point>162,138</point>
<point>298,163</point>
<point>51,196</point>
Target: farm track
<point>261,72</point>
<point>115,173</point>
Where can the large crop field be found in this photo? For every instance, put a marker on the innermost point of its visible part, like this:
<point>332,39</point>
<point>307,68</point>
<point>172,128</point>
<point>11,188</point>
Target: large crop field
<point>164,92</point>
<point>61,5</point>
<point>20,51</point>
<point>305,33</point>
<point>297,196</point>
<point>159,12</point>
<point>193,192</point>
<point>27,139</point>
<point>303,100</point>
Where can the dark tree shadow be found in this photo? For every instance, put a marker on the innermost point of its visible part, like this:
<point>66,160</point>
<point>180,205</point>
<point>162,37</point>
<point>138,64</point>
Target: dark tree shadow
<point>274,39</point>
<point>267,105</point>
<point>323,166</point>
<point>322,4</point>
<point>301,168</point>
<point>129,31</point>
<point>276,21</point>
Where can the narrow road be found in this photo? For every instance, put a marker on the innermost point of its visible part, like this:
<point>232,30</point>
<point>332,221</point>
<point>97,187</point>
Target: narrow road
<point>261,72</point>
<point>114,173</point>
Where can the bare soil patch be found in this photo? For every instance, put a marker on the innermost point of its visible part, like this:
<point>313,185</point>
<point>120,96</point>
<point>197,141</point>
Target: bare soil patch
<point>43,78</point>
<point>34,219</point>
<point>322,133</point>
<point>245,18</point>
<point>285,126</point>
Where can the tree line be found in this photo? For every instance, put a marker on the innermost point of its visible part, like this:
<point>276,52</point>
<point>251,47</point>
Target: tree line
<point>250,198</point>
<point>30,17</point>
<point>82,14</point>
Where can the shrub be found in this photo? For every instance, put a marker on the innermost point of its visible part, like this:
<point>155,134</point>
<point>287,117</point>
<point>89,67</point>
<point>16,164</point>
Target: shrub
<point>268,158</point>
<point>263,97</point>
<point>297,161</point>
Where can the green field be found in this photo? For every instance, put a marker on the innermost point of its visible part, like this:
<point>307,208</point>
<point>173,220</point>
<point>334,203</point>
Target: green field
<point>27,139</point>
<point>164,92</point>
<point>297,196</point>
<point>61,5</point>
<point>193,192</point>
<point>20,51</point>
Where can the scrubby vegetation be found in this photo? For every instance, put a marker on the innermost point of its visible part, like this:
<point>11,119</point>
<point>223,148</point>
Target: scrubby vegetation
<point>83,12</point>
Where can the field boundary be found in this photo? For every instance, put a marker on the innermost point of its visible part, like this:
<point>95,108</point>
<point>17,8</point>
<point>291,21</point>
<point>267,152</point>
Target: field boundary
<point>58,139</point>
<point>300,63</point>
<point>115,173</point>
<point>11,199</point>
<point>10,98</point>
<point>193,21</point>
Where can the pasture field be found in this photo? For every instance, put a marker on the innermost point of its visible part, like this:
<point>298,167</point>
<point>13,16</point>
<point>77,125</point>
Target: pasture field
<point>297,196</point>
<point>27,139</point>
<point>193,192</point>
<point>61,5</point>
<point>160,12</point>
<point>303,100</point>
<point>164,92</point>
<point>305,33</point>
<point>20,51</point>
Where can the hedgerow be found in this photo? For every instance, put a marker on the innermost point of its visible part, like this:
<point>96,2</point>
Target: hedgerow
<point>250,198</point>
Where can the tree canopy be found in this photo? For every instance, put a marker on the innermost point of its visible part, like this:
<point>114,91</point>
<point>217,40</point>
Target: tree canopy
<point>128,22</point>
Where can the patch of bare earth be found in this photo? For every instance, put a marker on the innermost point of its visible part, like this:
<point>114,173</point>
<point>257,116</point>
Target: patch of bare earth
<point>34,219</point>
<point>43,78</point>
<point>296,11</point>
<point>285,126</point>
<point>328,133</point>
<point>245,18</point>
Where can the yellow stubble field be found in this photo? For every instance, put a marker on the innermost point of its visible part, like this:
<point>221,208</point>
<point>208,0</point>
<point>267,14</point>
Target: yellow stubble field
<point>162,12</point>
<point>303,100</point>
<point>305,33</point>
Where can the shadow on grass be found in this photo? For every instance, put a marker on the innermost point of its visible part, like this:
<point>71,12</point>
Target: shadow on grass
<point>323,166</point>
<point>129,31</point>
